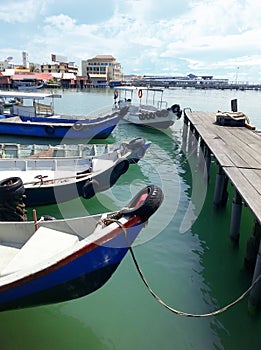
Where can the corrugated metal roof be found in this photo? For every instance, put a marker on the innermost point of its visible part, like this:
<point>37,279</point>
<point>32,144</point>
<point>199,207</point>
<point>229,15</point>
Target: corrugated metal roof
<point>38,76</point>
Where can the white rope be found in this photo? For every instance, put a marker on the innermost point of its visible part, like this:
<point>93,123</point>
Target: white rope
<point>178,312</point>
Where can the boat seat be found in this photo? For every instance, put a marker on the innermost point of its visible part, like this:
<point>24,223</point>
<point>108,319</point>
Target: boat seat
<point>44,244</point>
<point>7,253</point>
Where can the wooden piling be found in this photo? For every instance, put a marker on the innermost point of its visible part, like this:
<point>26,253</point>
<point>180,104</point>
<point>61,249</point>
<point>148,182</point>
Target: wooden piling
<point>236,218</point>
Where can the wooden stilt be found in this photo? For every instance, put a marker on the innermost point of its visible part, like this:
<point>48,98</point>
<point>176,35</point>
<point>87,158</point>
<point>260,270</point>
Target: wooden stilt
<point>236,218</point>
<point>252,247</point>
<point>254,301</point>
<point>219,188</point>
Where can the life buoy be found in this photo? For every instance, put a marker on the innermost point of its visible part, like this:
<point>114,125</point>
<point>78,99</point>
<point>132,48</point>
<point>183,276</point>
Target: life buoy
<point>116,94</point>
<point>145,203</point>
<point>49,129</point>
<point>140,93</point>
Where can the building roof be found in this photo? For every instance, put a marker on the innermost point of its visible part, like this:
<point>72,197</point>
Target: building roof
<point>104,57</point>
<point>32,75</point>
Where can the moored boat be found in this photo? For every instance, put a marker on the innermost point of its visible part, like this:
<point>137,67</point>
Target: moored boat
<point>154,113</point>
<point>46,262</point>
<point>56,180</point>
<point>40,120</point>
<point>133,149</point>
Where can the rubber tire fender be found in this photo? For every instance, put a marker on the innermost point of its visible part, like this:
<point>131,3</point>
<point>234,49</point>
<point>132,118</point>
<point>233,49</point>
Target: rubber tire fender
<point>49,129</point>
<point>148,207</point>
<point>7,189</point>
<point>78,126</point>
<point>175,108</point>
<point>119,169</point>
<point>90,188</point>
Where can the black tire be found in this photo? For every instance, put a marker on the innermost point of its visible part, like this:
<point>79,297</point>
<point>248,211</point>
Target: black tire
<point>12,186</point>
<point>119,170</point>
<point>47,218</point>
<point>175,108</point>
<point>148,207</point>
<point>77,126</point>
<point>135,143</point>
<point>90,188</point>
<point>49,129</point>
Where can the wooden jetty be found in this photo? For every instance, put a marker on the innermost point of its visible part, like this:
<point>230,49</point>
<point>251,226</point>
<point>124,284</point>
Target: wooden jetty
<point>237,151</point>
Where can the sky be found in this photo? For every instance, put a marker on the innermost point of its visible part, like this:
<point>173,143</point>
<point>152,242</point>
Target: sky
<point>160,37</point>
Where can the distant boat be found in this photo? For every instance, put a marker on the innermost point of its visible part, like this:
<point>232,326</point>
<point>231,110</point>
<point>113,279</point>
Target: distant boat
<point>45,262</point>
<point>154,112</point>
<point>28,84</point>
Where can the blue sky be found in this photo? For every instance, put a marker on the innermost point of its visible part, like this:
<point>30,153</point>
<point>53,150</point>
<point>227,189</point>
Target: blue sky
<point>165,37</point>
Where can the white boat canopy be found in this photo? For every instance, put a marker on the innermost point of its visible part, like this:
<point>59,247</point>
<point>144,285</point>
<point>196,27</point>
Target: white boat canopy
<point>28,95</point>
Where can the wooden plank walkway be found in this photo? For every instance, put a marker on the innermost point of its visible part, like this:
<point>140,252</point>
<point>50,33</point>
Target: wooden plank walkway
<point>238,152</point>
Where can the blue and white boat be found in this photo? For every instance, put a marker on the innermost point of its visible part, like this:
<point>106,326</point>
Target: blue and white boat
<point>39,120</point>
<point>46,262</point>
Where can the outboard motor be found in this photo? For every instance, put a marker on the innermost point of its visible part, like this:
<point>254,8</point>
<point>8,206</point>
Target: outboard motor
<point>12,207</point>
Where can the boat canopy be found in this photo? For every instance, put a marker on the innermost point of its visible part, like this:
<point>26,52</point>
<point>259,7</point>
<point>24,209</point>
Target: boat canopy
<point>28,95</point>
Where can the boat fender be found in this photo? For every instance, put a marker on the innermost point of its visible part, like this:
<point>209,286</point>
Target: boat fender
<point>119,170</point>
<point>49,129</point>
<point>145,203</point>
<point>77,126</point>
<point>116,94</point>
<point>12,207</point>
<point>152,115</point>
<point>175,108</point>
<point>90,188</point>
<point>141,116</point>
<point>47,218</point>
<point>140,93</point>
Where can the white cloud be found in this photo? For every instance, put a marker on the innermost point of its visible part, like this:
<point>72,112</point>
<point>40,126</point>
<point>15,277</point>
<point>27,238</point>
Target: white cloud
<point>155,36</point>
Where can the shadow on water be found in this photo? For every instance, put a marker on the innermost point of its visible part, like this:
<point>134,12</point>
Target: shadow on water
<point>44,328</point>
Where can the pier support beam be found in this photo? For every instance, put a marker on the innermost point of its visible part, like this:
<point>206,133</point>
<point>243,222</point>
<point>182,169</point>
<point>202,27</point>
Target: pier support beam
<point>220,193</point>
<point>185,134</point>
<point>254,302</point>
<point>236,218</point>
<point>208,160</point>
<point>252,247</point>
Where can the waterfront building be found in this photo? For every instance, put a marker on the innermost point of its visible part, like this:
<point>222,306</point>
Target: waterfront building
<point>102,70</point>
<point>60,67</point>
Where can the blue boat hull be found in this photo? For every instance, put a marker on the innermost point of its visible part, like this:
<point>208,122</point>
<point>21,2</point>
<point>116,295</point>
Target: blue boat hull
<point>80,274</point>
<point>59,128</point>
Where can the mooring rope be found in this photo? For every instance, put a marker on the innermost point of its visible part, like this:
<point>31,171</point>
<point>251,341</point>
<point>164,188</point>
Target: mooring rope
<point>178,312</point>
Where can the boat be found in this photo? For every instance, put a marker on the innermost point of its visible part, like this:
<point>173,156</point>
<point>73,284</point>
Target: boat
<point>134,150</point>
<point>56,180</point>
<point>154,112</point>
<point>39,120</point>
<point>29,84</point>
<point>8,103</point>
<point>47,261</point>
<point>100,128</point>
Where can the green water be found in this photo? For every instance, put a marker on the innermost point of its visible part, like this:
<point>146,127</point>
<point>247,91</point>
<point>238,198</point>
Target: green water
<point>184,252</point>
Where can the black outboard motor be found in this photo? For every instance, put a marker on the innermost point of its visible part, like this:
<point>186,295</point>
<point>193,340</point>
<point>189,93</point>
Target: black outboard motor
<point>12,207</point>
